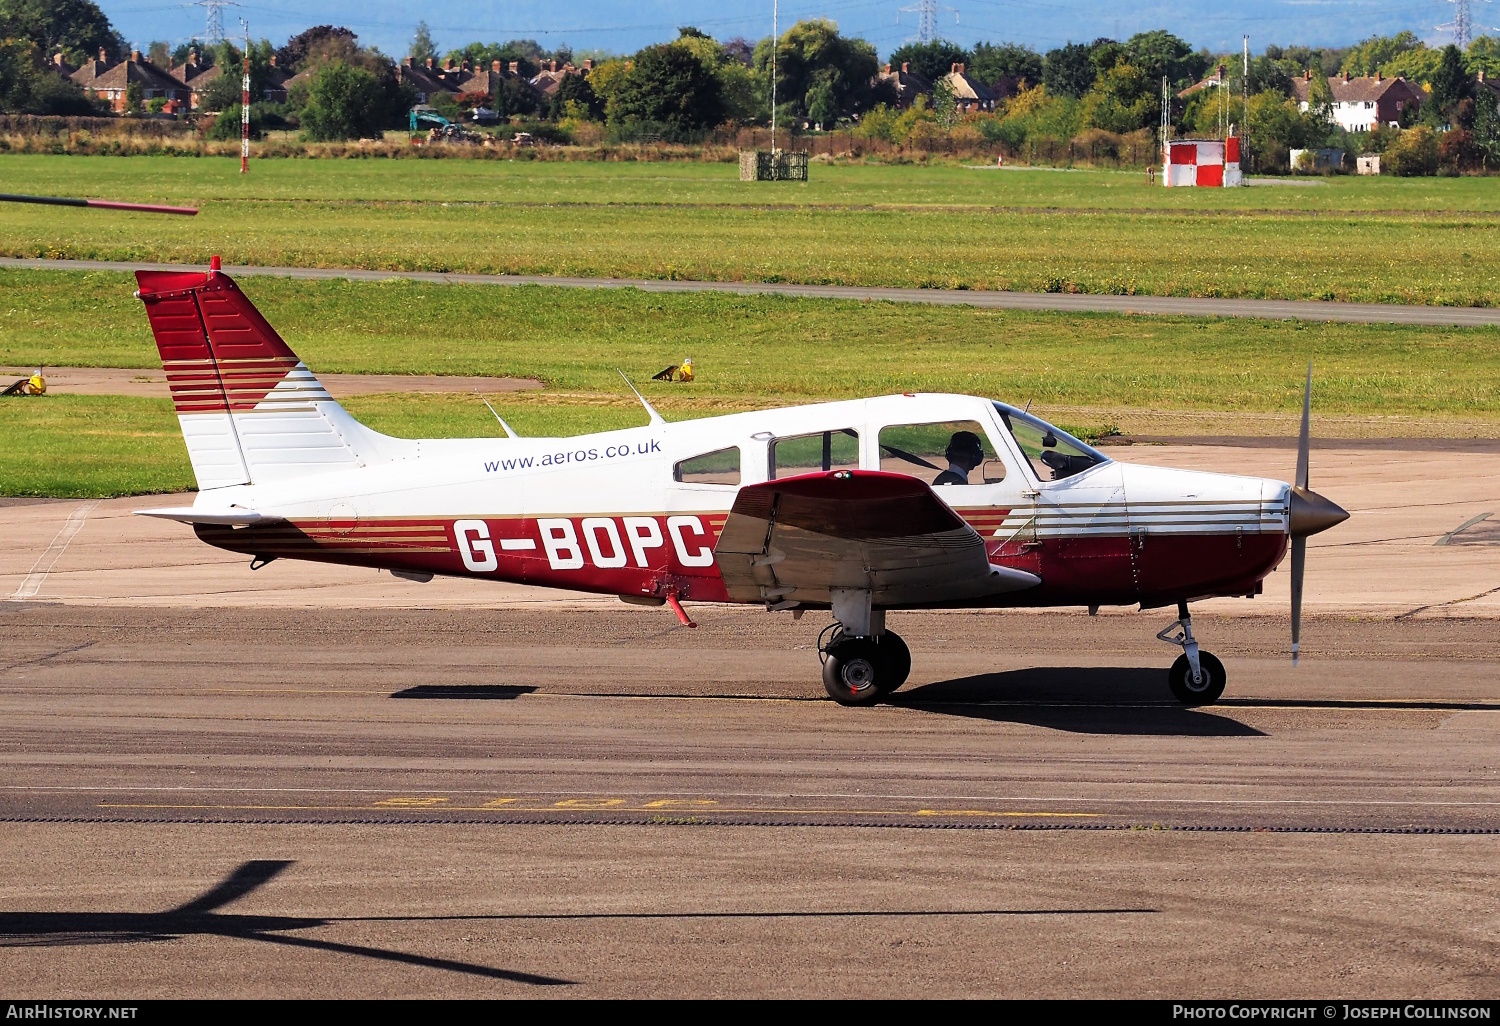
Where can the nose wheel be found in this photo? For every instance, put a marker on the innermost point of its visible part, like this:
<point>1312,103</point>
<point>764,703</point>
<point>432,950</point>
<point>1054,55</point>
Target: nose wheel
<point>1196,677</point>
<point>862,670</point>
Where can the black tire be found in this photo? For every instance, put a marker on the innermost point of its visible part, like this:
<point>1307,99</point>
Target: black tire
<point>897,659</point>
<point>853,670</point>
<point>1207,691</point>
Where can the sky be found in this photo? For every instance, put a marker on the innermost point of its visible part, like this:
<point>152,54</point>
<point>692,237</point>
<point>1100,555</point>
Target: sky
<point>624,26</point>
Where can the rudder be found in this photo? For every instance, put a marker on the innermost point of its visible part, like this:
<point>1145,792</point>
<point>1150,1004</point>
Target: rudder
<point>251,412</point>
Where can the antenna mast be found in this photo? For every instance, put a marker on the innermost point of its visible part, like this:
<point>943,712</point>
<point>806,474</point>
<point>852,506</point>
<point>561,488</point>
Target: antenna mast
<point>245,105</point>
<point>775,45</point>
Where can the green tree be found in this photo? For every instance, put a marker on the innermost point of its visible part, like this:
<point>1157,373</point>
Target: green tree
<point>1415,152</point>
<point>1122,100</point>
<point>76,28</point>
<point>1068,70</point>
<point>822,110</point>
<point>225,90</point>
<point>1417,65</point>
<point>27,87</point>
<point>1484,55</point>
<point>1370,55</point>
<point>159,53</point>
<point>343,102</point>
<point>993,62</point>
<point>1450,83</point>
<point>422,46</point>
<point>741,89</point>
<point>812,51</point>
<point>1159,53</point>
<point>301,46</point>
<point>1487,127</point>
<point>227,126</point>
<point>1105,54</point>
<point>134,97</point>
<point>576,89</point>
<point>934,59</point>
<point>944,104</point>
<point>668,87</point>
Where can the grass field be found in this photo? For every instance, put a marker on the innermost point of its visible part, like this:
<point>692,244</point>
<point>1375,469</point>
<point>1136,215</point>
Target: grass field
<point>750,352</point>
<point>1382,239</point>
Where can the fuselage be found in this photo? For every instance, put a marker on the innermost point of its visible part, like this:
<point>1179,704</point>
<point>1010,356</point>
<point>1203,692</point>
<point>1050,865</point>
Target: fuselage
<point>637,512</point>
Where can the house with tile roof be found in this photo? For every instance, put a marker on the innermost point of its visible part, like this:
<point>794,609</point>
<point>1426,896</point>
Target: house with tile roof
<point>1361,103</point>
<point>112,82</point>
<point>968,92</point>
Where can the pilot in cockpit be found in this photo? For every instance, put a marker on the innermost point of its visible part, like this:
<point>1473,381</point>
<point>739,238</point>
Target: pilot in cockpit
<point>964,453</point>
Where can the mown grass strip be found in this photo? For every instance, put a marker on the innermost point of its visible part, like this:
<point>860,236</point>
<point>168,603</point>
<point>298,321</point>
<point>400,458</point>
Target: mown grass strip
<point>763,350</point>
<point>751,352</point>
<point>1385,241</point>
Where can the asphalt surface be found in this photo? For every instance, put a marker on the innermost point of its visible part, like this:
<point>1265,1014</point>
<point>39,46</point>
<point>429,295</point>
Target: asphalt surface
<point>1275,309</point>
<point>595,802</point>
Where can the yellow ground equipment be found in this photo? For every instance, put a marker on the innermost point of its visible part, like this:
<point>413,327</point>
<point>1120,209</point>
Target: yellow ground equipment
<point>34,385</point>
<point>677,372</point>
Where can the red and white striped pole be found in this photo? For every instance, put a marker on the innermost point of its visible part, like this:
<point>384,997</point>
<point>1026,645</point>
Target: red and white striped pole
<point>245,106</point>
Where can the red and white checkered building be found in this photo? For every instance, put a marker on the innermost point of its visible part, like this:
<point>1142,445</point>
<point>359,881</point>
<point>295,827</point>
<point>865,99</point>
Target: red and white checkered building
<point>1202,162</point>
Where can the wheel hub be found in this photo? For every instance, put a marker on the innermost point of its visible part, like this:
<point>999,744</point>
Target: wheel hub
<point>859,674</point>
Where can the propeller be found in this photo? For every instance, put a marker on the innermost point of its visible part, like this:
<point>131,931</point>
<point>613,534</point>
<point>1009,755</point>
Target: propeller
<point>1309,513</point>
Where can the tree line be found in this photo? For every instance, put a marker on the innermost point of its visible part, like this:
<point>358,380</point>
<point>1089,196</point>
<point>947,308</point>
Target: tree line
<point>1105,91</point>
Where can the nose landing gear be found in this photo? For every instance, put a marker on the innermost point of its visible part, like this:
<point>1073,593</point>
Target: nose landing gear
<point>1197,677</point>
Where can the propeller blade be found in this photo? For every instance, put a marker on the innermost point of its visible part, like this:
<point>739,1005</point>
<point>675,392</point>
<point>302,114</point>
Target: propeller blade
<point>1303,443</point>
<point>1299,562</point>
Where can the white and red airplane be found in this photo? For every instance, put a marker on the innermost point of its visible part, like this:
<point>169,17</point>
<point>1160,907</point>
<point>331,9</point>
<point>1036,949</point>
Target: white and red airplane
<point>914,501</point>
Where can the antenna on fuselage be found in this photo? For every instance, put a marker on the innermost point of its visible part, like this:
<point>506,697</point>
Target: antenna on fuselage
<point>655,417</point>
<point>508,432</point>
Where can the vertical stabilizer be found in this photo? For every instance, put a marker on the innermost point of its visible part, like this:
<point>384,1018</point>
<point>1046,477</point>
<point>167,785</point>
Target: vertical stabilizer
<point>251,411</point>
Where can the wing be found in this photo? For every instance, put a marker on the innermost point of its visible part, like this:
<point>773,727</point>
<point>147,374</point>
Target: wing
<point>794,539</point>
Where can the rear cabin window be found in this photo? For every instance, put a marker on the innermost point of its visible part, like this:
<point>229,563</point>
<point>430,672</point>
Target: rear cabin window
<point>955,452</point>
<point>808,454</point>
<point>720,467</point>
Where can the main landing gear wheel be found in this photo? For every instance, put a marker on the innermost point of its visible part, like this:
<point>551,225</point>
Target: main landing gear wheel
<point>898,658</point>
<point>860,671</point>
<point>1207,689</point>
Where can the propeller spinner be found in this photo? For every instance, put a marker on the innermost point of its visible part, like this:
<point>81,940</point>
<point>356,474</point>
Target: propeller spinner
<point>1309,513</point>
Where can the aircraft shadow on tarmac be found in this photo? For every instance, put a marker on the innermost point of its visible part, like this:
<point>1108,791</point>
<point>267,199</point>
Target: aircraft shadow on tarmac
<point>201,917</point>
<point>1080,699</point>
<point>465,691</point>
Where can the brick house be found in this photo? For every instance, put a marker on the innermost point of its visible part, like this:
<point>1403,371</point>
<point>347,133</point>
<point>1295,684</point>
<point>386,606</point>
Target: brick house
<point>111,82</point>
<point>1359,104</point>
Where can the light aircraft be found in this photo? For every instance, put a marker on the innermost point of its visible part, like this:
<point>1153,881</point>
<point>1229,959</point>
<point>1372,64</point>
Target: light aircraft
<point>913,501</point>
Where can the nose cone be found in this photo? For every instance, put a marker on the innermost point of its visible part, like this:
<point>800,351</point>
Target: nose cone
<point>1311,513</point>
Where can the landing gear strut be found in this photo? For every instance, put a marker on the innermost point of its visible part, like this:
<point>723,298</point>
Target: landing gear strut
<point>862,661</point>
<point>1197,677</point>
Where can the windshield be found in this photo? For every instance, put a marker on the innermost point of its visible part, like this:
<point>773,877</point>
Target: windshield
<point>1054,454</point>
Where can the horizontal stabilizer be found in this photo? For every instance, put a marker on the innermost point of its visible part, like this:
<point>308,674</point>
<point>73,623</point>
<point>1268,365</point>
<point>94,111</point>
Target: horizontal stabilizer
<point>234,516</point>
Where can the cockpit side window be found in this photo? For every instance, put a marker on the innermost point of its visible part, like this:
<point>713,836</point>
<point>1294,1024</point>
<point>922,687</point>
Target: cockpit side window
<point>1054,454</point>
<point>808,454</point>
<point>720,467</point>
<point>955,452</point>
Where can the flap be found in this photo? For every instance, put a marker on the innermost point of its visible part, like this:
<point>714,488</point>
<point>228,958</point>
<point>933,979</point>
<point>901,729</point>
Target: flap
<point>794,539</point>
